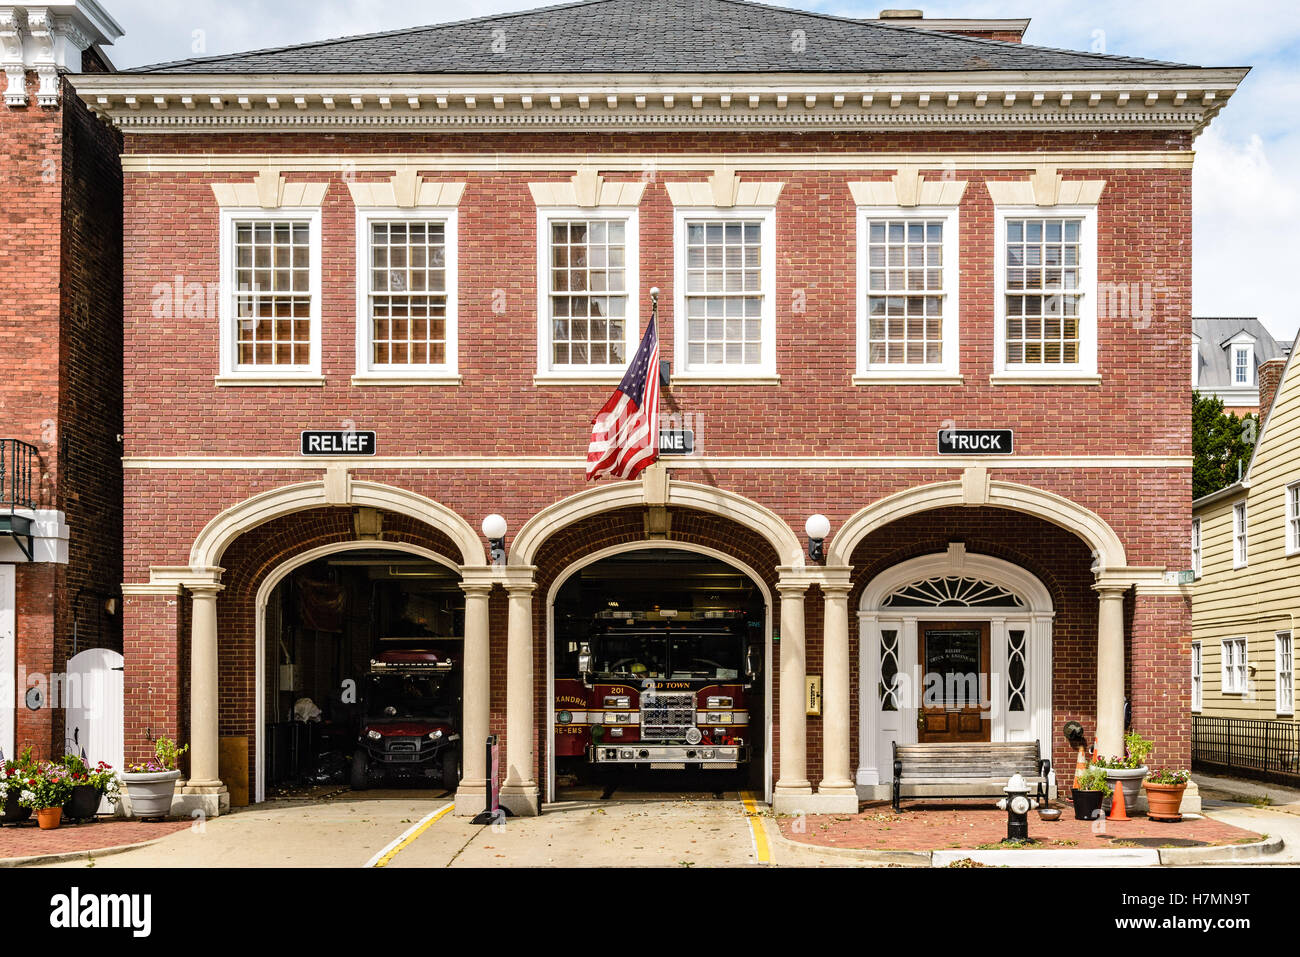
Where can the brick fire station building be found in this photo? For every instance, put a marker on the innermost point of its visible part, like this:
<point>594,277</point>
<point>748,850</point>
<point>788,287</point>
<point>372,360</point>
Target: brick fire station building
<point>900,263</point>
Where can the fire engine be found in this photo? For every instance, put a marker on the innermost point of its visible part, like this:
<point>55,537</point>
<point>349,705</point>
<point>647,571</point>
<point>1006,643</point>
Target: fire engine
<point>661,689</point>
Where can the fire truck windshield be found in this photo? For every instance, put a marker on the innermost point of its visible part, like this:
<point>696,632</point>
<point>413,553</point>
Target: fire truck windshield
<point>712,656</point>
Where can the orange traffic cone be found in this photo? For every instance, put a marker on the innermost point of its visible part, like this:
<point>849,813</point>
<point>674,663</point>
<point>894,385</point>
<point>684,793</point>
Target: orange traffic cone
<point>1080,766</point>
<point>1117,809</point>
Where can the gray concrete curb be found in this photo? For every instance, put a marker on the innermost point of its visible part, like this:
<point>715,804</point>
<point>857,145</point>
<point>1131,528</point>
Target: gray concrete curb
<point>75,855</point>
<point>1053,857</point>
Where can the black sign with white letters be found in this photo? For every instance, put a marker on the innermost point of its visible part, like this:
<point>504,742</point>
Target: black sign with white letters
<point>339,442</point>
<point>676,442</point>
<point>976,442</point>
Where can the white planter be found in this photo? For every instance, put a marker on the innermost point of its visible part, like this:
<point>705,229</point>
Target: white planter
<point>151,794</point>
<point>1131,780</point>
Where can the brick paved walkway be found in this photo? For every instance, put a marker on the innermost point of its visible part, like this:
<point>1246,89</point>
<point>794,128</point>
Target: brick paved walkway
<point>26,839</point>
<point>941,826</point>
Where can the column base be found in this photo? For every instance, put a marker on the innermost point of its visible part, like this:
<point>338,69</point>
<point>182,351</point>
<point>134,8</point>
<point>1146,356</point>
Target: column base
<point>1191,799</point>
<point>835,799</point>
<point>471,798</point>
<point>522,800</point>
<point>209,800</point>
<point>792,798</point>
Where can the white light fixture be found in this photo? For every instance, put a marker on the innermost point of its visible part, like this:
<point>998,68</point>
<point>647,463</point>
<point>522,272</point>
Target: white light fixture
<point>494,530</point>
<point>818,527</point>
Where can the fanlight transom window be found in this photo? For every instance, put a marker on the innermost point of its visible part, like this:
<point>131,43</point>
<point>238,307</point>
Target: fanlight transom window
<point>952,592</point>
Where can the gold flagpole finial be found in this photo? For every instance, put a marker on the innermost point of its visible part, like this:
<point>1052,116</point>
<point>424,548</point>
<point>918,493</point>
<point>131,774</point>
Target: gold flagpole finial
<point>654,300</point>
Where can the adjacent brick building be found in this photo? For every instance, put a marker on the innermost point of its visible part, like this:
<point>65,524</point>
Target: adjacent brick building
<point>61,394</point>
<point>868,237</point>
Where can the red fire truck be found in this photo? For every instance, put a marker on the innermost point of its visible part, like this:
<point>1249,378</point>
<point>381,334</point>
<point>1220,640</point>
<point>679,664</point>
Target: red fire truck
<point>661,689</point>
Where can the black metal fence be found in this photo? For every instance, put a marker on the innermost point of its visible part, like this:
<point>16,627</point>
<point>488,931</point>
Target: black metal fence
<point>1247,747</point>
<point>17,459</point>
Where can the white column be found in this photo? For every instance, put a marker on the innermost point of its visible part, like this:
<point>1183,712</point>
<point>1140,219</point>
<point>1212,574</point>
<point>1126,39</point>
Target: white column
<point>1110,670</point>
<point>204,790</point>
<point>519,792</point>
<point>475,719</point>
<point>792,787</point>
<point>836,785</point>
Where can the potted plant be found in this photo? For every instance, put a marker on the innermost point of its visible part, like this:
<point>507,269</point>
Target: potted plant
<point>152,784</point>
<point>1092,790</point>
<point>13,774</point>
<point>1165,789</point>
<point>90,786</point>
<point>1129,770</point>
<point>45,792</point>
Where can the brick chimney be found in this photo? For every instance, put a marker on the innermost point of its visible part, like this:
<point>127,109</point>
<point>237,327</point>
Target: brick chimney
<point>1270,376</point>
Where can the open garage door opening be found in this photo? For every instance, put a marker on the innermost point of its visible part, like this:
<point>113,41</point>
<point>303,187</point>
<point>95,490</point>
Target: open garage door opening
<point>363,674</point>
<point>660,677</point>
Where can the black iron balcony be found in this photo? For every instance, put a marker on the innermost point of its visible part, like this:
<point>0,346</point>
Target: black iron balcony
<point>17,463</point>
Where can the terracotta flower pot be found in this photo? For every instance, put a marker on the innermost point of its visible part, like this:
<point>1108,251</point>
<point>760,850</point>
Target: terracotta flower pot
<point>1087,804</point>
<point>49,817</point>
<point>1164,801</point>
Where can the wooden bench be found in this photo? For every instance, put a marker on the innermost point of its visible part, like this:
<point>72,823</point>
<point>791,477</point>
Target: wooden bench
<point>975,769</point>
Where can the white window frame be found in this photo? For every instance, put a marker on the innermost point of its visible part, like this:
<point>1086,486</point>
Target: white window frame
<point>1240,539</point>
<point>1198,677</point>
<point>547,371</point>
<point>1196,548</point>
<point>1196,361</point>
<point>1085,370</point>
<point>1233,665</point>
<point>766,368</point>
<point>1283,687</point>
<point>1249,350</point>
<point>229,369</point>
<point>433,373</point>
<point>950,368</point>
<point>1292,505</point>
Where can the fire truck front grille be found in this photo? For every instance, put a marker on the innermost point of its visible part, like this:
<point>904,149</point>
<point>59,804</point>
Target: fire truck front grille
<point>665,717</point>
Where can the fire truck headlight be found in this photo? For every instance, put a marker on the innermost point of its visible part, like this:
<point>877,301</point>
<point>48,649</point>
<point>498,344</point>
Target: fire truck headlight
<point>617,701</point>
<point>718,701</point>
<point>718,717</point>
<point>374,735</point>
<point>564,717</point>
<point>435,735</point>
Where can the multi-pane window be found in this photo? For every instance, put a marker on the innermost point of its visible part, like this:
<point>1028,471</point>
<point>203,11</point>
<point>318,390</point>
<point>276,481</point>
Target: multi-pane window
<point>1239,535</point>
<point>724,298</point>
<point>1232,665</point>
<point>272,294</point>
<point>1285,673</point>
<point>905,291</point>
<point>1196,676</point>
<point>1293,518</point>
<point>1043,291</point>
<point>408,294</point>
<point>1196,547</point>
<point>588,296</point>
<point>1241,365</point>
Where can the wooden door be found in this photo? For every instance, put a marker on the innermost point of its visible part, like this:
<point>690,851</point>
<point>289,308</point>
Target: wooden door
<point>955,681</point>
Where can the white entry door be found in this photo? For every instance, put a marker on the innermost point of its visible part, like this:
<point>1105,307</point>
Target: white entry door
<point>8,659</point>
<point>94,696</point>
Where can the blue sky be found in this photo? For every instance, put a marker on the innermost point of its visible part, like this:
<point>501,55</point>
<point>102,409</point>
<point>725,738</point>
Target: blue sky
<point>1246,240</point>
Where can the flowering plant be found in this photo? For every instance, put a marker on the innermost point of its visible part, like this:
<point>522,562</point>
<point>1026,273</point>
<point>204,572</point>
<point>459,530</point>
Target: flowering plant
<point>1136,751</point>
<point>166,754</point>
<point>1169,776</point>
<point>101,777</point>
<point>14,773</point>
<point>48,785</point>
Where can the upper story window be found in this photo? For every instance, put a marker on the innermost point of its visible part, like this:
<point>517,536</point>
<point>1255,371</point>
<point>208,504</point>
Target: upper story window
<point>589,278</point>
<point>908,293</point>
<point>270,303</point>
<point>1239,552</point>
<point>1196,547</point>
<point>406,293</point>
<point>1196,362</point>
<point>1243,365</point>
<point>1046,306</point>
<point>726,268</point>
<point>1293,518</point>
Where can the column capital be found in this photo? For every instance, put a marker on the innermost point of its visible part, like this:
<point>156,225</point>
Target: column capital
<point>205,589</point>
<point>1111,589</point>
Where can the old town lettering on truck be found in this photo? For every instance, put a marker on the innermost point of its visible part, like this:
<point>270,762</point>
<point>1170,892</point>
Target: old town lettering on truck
<point>910,223</point>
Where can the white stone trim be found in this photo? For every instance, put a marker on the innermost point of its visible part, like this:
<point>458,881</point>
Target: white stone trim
<point>406,190</point>
<point>49,38</point>
<point>444,373</point>
<point>8,657</point>
<point>587,189</point>
<point>724,190</point>
<point>267,381</point>
<point>549,784</point>
<point>907,188</point>
<point>270,190</point>
<point>49,538</point>
<point>1046,187</point>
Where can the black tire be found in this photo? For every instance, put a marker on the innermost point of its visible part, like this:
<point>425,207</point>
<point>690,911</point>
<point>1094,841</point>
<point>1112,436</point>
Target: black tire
<point>450,768</point>
<point>360,770</point>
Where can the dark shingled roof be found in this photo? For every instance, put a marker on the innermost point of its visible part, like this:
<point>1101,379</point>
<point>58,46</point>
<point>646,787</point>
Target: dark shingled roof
<point>655,36</point>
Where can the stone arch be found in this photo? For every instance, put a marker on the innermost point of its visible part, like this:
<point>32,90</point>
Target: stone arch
<point>688,495</point>
<point>977,490</point>
<point>221,531</point>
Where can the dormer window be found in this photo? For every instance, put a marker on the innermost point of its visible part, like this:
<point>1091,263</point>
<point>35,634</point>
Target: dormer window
<point>1243,365</point>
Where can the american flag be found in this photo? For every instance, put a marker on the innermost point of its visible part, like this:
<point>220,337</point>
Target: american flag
<point>625,433</point>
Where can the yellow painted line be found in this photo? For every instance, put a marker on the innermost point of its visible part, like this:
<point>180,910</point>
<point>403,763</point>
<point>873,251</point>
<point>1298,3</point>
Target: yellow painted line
<point>408,836</point>
<point>762,850</point>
